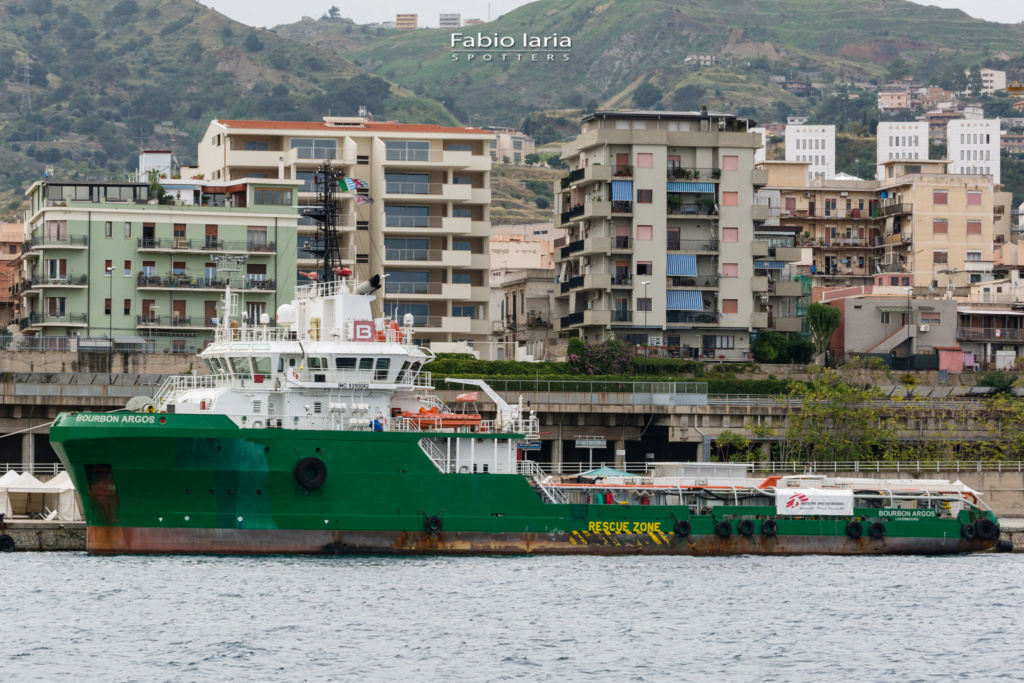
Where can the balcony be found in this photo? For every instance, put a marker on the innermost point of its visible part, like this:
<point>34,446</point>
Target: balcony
<point>68,280</point>
<point>590,174</point>
<point>422,158</point>
<point>588,281</point>
<point>760,212</point>
<point>588,317</point>
<point>435,255</point>
<point>413,288</point>
<point>620,316</point>
<point>60,241</point>
<point>788,324</point>
<point>994,334</point>
<point>759,248</point>
<point>413,221</point>
<point>789,254</point>
<point>698,281</point>
<point>708,245</point>
<point>587,211</point>
<point>759,283</point>
<point>571,284</point>
<point>195,282</point>
<point>789,289</point>
<point>690,210</point>
<point>693,174</point>
<point>307,154</point>
<point>173,321</point>
<point>180,244</point>
<point>621,207</point>
<point>690,318</point>
<point>622,280</point>
<point>897,208</point>
<point>53,319</point>
<point>571,248</point>
<point>759,177</point>
<point>759,320</point>
<point>620,242</point>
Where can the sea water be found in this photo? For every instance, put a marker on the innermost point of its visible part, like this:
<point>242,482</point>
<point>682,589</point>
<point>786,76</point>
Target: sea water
<point>70,616</point>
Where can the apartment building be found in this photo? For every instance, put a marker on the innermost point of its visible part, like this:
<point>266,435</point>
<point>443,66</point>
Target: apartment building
<point>511,144</point>
<point>760,154</point>
<point>423,220</point>
<point>524,324</point>
<point>700,59</point>
<point>450,20</point>
<point>973,147</point>
<point>917,227</point>
<point>992,80</point>
<point>816,145</point>
<point>104,259</point>
<point>901,140</point>
<point>407,22</point>
<point>661,246</point>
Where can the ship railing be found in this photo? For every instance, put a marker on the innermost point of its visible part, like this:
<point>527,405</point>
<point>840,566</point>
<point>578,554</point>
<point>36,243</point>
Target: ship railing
<point>436,455</point>
<point>179,383</point>
<point>541,480</point>
<point>256,333</point>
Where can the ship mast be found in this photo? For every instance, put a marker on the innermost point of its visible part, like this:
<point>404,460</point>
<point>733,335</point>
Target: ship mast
<point>325,213</point>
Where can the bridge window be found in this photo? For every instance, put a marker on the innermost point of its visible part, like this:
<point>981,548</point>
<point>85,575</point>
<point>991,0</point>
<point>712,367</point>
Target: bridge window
<point>366,364</point>
<point>382,368</point>
<point>240,366</point>
<point>263,365</point>
<point>345,363</point>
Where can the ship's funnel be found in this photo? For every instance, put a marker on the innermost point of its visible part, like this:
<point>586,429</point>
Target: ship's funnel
<point>371,285</point>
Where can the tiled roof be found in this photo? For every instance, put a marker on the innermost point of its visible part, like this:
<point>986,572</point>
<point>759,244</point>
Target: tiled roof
<point>384,127</point>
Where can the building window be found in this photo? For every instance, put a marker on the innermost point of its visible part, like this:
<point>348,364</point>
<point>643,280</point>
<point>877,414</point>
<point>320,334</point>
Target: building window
<point>644,160</point>
<point>940,197</point>
<point>106,306</point>
<point>724,341</point>
<point>127,229</point>
<point>973,227</point>
<point>730,199</point>
<point>940,226</point>
<point>462,245</point>
<point>643,304</point>
<point>462,278</point>
<point>730,270</point>
<point>644,196</point>
<point>257,146</point>
<point>108,268</point>
<point>127,268</point>
<point>886,318</point>
<point>930,318</point>
<point>974,256</point>
<point>127,306</point>
<point>730,163</point>
<point>730,234</point>
<point>973,199</point>
<point>894,282</point>
<point>464,311</point>
<point>108,229</point>
<point>730,305</point>
<point>269,197</point>
<point>644,268</point>
<point>940,257</point>
<point>645,232</point>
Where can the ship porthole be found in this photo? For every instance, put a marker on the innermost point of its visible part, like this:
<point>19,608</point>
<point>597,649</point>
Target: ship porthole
<point>310,473</point>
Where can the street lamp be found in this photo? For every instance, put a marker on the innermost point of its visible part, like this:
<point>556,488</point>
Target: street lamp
<point>647,337</point>
<point>110,327</point>
<point>910,322</point>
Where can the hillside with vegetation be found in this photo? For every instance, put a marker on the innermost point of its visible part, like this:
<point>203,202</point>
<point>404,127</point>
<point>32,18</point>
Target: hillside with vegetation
<point>522,194</point>
<point>630,53</point>
<point>108,77</point>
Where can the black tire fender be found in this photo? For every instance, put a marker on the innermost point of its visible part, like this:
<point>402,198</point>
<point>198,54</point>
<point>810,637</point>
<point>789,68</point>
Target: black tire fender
<point>987,529</point>
<point>723,529</point>
<point>769,528</point>
<point>433,525</point>
<point>855,530</point>
<point>682,528</point>
<point>968,532</point>
<point>311,473</point>
<point>876,530</point>
<point>746,528</point>
<point>7,544</point>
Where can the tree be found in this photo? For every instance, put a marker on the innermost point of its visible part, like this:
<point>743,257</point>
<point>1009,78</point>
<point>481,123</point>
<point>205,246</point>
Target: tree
<point>555,161</point>
<point>975,82</point>
<point>823,321</point>
<point>687,97</point>
<point>506,160</point>
<point>542,202</point>
<point>531,159</point>
<point>1000,380</point>
<point>334,13</point>
<point>771,347</point>
<point>253,43</point>
<point>647,95</point>
<point>731,446</point>
<point>591,105</point>
<point>898,68</point>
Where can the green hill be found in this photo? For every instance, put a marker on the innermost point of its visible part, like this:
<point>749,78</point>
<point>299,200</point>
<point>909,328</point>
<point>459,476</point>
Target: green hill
<point>111,76</point>
<point>631,52</point>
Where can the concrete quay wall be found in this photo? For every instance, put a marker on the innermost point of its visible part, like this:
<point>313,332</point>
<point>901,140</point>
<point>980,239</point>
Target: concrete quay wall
<point>46,536</point>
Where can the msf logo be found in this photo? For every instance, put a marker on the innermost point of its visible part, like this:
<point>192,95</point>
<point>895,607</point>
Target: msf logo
<point>795,500</point>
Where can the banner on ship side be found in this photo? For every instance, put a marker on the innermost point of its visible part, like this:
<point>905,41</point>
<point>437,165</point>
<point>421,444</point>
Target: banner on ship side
<point>813,502</point>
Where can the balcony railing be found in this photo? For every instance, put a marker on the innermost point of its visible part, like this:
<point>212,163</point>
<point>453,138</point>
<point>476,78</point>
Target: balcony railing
<point>412,221</point>
<point>620,206</point>
<point>681,173</point>
<point>622,316</point>
<point>560,242</point>
<point>413,155</point>
<point>34,318</point>
<point>59,241</point>
<point>989,334</point>
<point>689,317</point>
<point>173,321</point>
<point>691,210</point>
<point>894,209</point>
<point>184,281</point>
<point>391,254</point>
<point>572,319</point>
<point>693,281</point>
<point>621,242</point>
<point>692,245</point>
<point>315,153</point>
<point>572,283</point>
<point>572,248</point>
<point>62,281</point>
<point>622,280</point>
<point>207,244</point>
<point>574,212</point>
<point>413,287</point>
<point>412,188</point>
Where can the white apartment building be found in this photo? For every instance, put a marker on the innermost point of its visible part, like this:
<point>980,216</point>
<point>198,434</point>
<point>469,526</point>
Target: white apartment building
<point>450,21</point>
<point>901,140</point>
<point>663,244</point>
<point>991,79</point>
<point>816,145</point>
<point>760,154</point>
<point>973,147</point>
<point>423,221</point>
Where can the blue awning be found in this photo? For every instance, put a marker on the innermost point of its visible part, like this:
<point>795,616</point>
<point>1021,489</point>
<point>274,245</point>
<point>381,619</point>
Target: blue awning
<point>622,190</point>
<point>770,265</point>
<point>682,264</point>
<point>691,187</point>
<point>684,300</point>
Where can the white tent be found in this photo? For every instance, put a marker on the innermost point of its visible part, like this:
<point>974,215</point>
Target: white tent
<point>26,495</point>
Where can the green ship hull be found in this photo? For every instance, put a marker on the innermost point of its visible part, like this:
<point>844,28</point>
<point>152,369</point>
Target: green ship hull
<point>198,484</point>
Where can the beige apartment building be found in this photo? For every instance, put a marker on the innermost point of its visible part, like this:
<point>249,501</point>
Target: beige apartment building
<point>423,220</point>
<point>510,144</point>
<point>407,22</point>
<point>662,245</point>
<point>918,227</point>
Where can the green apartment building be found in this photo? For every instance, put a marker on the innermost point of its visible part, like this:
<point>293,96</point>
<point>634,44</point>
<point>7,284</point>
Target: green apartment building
<point>104,260</point>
